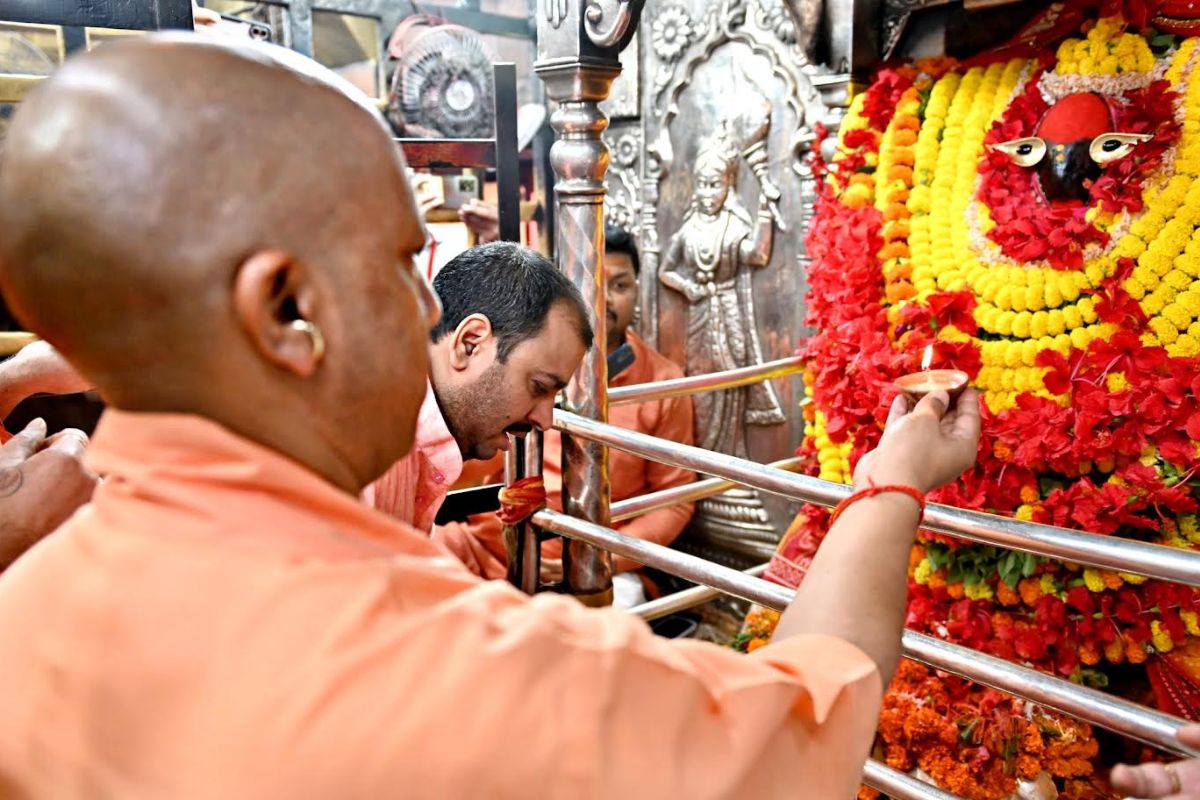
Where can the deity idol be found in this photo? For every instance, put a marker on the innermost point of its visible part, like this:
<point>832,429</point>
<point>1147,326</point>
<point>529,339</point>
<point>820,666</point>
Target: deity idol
<point>709,261</point>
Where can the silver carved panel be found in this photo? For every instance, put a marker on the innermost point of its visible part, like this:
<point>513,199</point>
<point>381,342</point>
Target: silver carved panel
<point>730,97</point>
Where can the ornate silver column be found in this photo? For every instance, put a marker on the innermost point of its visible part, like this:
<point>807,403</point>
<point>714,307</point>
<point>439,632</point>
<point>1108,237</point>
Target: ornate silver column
<point>578,44</point>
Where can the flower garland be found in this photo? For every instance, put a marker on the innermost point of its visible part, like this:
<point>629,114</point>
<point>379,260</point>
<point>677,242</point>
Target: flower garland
<point>1080,325</point>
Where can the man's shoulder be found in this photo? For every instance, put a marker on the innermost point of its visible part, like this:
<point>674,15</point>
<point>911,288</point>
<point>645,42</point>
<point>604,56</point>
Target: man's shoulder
<point>662,367</point>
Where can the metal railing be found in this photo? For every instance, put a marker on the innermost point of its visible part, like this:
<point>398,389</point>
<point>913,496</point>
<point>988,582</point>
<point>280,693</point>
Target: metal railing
<point>1107,552</point>
<point>710,382</point>
<point>687,493</point>
<point>683,600</point>
<point>1122,716</point>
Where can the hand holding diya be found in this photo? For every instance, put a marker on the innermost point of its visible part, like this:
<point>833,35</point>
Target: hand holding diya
<point>916,385</point>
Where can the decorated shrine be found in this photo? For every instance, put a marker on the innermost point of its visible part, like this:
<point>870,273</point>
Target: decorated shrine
<point>1029,215</point>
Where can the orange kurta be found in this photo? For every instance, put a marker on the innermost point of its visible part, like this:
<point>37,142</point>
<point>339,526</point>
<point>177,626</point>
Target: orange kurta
<point>480,544</point>
<point>221,623</point>
<point>415,487</point>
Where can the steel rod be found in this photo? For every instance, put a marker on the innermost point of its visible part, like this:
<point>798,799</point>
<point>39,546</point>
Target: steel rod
<point>685,599</point>
<point>899,786</point>
<point>687,493</point>
<point>714,381</point>
<point>520,541</point>
<point>1128,719</point>
<point>1108,552</point>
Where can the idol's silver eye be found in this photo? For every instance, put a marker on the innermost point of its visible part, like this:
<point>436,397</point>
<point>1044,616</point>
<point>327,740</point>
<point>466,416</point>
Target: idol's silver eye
<point>1023,152</point>
<point>1109,147</point>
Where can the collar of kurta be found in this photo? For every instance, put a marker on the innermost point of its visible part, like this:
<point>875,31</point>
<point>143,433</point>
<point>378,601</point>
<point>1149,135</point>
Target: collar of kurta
<point>435,441</point>
<point>190,464</point>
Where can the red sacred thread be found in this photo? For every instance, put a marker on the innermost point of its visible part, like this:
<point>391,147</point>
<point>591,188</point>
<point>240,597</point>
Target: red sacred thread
<point>522,500</point>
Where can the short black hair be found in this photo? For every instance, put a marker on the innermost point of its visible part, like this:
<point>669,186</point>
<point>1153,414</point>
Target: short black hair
<point>616,240</point>
<point>513,286</point>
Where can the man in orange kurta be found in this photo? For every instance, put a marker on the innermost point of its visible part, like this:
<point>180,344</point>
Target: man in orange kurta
<point>225,618</point>
<point>480,543</point>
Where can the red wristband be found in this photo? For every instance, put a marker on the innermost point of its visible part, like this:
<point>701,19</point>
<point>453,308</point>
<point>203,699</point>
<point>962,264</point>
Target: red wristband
<point>871,491</point>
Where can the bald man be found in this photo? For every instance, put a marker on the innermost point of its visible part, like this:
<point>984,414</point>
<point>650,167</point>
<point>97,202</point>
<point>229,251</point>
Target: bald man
<point>225,619</point>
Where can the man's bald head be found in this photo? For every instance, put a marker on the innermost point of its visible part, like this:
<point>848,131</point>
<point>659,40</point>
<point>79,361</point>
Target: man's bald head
<point>170,204</point>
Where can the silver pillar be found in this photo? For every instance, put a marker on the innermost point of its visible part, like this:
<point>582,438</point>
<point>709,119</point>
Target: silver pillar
<point>577,62</point>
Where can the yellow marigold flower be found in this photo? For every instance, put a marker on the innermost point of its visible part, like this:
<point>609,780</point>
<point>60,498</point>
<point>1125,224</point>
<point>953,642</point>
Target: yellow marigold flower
<point>856,196</point>
<point>1190,300</point>
<point>1130,578</point>
<point>1190,622</point>
<point>1004,323</point>
<point>1189,528</point>
<point>1093,580</point>
<point>979,591</point>
<point>1047,584</point>
<point>1116,382</point>
<point>1025,512</point>
<point>1055,323</point>
<point>1160,637</point>
<point>1072,318</point>
<point>1030,350</point>
<point>1021,325</point>
<point>1178,316</point>
<point>923,571</point>
<point>1177,279</point>
<point>1164,330</point>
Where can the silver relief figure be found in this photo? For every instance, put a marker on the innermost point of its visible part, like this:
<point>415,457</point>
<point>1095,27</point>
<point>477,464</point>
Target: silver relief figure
<point>710,261</point>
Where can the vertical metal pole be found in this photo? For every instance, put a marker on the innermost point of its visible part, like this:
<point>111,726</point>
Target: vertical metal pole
<point>508,178</point>
<point>520,541</point>
<point>577,76</point>
<point>300,26</point>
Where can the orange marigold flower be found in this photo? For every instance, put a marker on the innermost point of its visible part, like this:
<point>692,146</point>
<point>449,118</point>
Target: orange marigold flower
<point>1114,651</point>
<point>1028,767</point>
<point>1031,591</point>
<point>900,172</point>
<point>756,643</point>
<point>1003,452</point>
<point>900,291</point>
<point>899,270</point>
<point>1030,494</point>
<point>904,137</point>
<point>1089,653</point>
<point>895,210</point>
<point>896,229</point>
<point>1111,579</point>
<point>893,250</point>
<point>956,590</point>
<point>1135,652</point>
<point>907,157</point>
<point>1006,595</point>
<point>907,122</point>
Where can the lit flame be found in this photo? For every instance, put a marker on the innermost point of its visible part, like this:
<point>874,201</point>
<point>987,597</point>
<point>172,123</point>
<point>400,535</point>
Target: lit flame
<point>927,359</point>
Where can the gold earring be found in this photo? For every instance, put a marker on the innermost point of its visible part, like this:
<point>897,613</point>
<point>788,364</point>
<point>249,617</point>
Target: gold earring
<point>314,333</point>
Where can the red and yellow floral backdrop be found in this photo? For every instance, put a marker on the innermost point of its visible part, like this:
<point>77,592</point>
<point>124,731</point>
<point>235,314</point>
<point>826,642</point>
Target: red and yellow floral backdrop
<point>1078,318</point>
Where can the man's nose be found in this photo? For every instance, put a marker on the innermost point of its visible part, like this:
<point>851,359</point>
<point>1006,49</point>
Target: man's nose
<point>542,414</point>
<point>430,304</point>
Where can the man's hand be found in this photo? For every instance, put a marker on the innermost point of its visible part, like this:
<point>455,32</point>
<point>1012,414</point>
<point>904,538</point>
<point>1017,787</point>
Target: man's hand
<point>1179,780</point>
<point>483,219</point>
<point>36,369</point>
<point>42,482</point>
<point>924,448</point>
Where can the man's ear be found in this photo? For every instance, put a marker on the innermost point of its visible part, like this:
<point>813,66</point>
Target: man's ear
<point>471,339</point>
<point>271,292</point>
